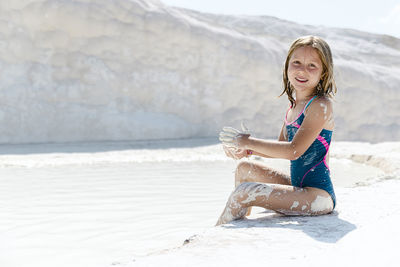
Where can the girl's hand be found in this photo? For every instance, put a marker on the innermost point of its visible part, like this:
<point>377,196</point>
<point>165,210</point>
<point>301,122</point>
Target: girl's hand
<point>241,141</point>
<point>235,153</point>
<point>232,137</point>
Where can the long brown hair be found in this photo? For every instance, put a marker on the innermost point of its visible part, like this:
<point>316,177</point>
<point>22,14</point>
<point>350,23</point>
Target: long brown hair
<point>326,86</point>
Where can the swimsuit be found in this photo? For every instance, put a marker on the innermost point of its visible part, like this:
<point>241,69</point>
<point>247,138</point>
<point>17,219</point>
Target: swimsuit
<point>311,169</point>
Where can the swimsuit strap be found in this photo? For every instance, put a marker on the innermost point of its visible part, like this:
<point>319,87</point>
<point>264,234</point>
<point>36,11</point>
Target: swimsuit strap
<point>308,103</point>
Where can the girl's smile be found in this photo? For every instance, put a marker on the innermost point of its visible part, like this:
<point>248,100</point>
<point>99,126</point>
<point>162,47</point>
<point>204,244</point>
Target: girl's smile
<point>301,80</point>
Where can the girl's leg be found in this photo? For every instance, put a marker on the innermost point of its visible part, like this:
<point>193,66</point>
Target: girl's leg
<point>284,199</point>
<point>257,172</point>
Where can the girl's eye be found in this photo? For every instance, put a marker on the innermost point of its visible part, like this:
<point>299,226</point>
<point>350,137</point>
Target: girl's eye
<point>312,66</point>
<point>296,62</point>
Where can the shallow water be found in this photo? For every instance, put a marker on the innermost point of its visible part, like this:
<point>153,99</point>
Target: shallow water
<point>112,210</point>
<point>130,209</point>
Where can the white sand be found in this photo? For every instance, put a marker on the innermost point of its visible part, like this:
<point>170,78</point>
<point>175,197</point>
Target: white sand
<point>362,232</point>
<point>104,204</point>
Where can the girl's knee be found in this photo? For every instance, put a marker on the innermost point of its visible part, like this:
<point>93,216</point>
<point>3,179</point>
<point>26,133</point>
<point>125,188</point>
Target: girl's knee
<point>243,172</point>
<point>246,193</point>
<point>245,187</point>
<point>243,167</point>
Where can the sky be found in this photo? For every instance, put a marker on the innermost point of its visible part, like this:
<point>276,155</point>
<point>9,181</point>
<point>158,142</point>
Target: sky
<point>374,16</point>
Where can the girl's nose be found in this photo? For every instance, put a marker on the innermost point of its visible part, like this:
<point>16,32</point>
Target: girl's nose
<point>301,70</point>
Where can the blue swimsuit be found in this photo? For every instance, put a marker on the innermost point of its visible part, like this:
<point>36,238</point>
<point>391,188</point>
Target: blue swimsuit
<point>311,169</point>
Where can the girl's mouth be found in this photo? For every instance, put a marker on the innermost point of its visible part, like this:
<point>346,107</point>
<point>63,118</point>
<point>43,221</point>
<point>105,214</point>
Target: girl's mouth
<point>301,80</point>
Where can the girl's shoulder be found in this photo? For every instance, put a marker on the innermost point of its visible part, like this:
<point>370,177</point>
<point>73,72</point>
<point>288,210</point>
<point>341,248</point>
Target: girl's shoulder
<point>321,105</point>
<point>322,102</point>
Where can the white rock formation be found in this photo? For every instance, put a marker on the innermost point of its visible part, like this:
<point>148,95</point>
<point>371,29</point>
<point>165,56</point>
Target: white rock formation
<point>87,70</point>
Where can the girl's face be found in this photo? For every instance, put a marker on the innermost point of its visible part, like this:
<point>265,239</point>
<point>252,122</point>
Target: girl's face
<point>305,69</point>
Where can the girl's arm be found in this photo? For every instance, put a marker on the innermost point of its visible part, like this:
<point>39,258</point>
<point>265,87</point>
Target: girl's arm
<point>282,137</point>
<point>315,119</point>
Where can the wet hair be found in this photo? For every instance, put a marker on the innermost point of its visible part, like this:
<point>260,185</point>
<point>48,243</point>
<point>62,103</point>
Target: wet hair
<point>326,86</point>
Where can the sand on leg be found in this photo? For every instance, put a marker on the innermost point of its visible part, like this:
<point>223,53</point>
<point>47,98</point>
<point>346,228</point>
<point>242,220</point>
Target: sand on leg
<point>285,199</point>
<point>258,172</point>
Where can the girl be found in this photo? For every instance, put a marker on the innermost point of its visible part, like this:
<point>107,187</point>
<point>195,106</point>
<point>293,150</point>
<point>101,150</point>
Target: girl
<point>304,140</point>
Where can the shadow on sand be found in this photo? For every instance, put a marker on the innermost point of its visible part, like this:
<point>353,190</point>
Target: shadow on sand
<point>327,228</point>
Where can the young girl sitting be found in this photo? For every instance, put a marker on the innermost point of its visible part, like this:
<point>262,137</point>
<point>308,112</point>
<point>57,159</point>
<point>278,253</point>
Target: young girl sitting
<point>304,140</point>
